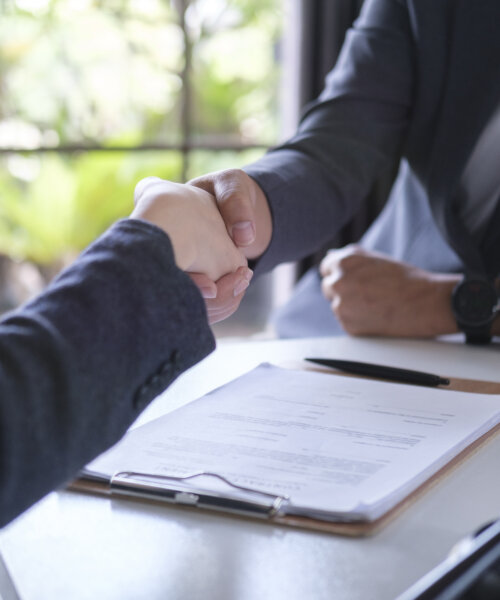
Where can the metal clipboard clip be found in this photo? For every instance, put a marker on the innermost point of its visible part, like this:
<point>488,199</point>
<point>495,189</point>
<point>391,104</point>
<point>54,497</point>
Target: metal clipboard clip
<point>156,487</point>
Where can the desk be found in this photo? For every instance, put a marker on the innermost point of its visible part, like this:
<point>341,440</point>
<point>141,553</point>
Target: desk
<point>75,546</point>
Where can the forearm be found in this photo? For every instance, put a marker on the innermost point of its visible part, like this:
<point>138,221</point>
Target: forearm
<point>304,209</point>
<point>421,309</point>
<point>351,136</point>
<point>79,363</point>
<point>438,315</point>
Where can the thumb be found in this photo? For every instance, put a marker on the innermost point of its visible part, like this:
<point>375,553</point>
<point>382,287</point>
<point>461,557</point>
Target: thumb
<point>234,193</point>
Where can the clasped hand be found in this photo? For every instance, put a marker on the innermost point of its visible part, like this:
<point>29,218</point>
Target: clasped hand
<point>220,220</point>
<point>372,294</point>
<point>201,244</point>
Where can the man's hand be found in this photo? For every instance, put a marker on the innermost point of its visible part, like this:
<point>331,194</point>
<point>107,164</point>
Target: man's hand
<point>372,294</point>
<point>191,219</point>
<point>243,206</point>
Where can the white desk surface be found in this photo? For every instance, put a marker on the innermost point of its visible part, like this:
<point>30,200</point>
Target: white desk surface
<point>76,546</point>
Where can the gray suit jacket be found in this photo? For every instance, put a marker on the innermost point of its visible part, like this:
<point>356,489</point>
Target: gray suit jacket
<point>416,82</point>
<point>80,362</point>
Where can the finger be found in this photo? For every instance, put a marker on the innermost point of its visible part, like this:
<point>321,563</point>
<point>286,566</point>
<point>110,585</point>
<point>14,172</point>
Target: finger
<point>331,265</point>
<point>327,287</point>
<point>348,259</point>
<point>230,291</point>
<point>221,315</point>
<point>332,259</point>
<point>233,284</point>
<point>233,192</point>
<point>328,263</point>
<point>144,185</point>
<point>236,207</point>
<point>207,287</point>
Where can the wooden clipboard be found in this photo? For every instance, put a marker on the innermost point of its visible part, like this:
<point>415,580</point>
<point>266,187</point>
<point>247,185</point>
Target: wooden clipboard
<point>353,528</point>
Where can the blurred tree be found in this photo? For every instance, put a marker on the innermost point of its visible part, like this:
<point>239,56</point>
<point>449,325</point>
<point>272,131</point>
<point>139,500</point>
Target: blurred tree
<point>96,94</point>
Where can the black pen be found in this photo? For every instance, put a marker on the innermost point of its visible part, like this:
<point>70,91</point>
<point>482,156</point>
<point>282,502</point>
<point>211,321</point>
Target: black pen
<point>382,372</point>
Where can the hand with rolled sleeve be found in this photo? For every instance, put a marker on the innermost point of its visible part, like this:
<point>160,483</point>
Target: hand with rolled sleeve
<point>372,294</point>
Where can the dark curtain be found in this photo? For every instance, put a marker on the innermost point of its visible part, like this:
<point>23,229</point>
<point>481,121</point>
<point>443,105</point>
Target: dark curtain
<point>324,24</point>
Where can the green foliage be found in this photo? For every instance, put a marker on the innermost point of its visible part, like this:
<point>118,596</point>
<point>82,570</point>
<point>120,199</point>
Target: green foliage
<point>72,200</point>
<point>110,72</point>
<point>86,73</point>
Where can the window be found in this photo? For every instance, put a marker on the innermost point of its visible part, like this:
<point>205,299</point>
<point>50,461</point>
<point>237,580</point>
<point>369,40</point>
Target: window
<point>96,94</point>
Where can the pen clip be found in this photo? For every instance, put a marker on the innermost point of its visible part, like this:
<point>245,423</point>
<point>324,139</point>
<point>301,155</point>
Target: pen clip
<point>156,486</point>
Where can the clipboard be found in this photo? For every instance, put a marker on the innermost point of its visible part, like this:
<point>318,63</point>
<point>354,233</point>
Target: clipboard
<point>135,486</point>
<point>262,505</point>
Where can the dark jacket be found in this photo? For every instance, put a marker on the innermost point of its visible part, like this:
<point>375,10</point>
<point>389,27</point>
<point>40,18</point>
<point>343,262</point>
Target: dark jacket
<point>416,82</point>
<point>80,362</point>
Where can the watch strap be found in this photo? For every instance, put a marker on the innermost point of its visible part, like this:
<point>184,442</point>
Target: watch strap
<point>476,325</point>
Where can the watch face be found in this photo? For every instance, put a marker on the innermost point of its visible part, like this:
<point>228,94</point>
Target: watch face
<point>474,302</point>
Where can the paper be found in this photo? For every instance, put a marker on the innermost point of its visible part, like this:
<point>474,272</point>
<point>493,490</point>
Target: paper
<point>340,448</point>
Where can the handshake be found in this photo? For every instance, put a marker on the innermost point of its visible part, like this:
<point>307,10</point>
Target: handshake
<point>212,223</point>
<point>219,221</point>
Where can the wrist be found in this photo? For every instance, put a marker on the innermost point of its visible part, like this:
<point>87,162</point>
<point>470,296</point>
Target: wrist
<point>475,304</point>
<point>443,321</point>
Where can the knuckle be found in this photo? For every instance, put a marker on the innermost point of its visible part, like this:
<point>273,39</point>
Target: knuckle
<point>231,174</point>
<point>356,249</point>
<point>352,258</point>
<point>325,290</point>
<point>339,308</point>
<point>349,261</point>
<point>327,287</point>
<point>228,182</point>
<point>143,186</point>
<point>340,287</point>
<point>327,264</point>
<point>205,183</point>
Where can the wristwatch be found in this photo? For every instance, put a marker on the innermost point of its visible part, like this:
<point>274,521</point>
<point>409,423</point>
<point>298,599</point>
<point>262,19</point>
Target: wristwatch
<point>474,303</point>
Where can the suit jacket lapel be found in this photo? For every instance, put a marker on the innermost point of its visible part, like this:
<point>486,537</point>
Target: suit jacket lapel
<point>472,92</point>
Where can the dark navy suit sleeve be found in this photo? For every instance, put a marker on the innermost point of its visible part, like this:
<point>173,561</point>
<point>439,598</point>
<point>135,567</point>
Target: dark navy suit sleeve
<point>79,363</point>
<point>354,132</point>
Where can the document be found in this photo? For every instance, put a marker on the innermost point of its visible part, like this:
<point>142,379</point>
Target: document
<point>330,447</point>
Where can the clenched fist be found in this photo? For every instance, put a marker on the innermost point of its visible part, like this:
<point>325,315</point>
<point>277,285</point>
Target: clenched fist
<point>372,294</point>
